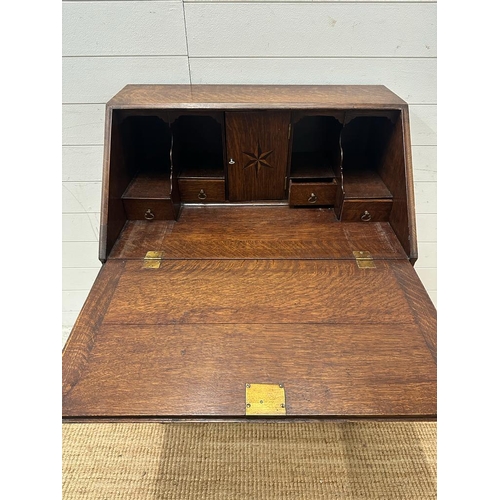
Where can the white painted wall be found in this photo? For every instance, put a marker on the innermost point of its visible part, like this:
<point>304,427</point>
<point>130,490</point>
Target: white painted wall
<point>107,44</point>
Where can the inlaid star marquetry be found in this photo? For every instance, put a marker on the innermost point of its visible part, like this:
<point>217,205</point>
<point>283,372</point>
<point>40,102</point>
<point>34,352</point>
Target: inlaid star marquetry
<point>258,160</point>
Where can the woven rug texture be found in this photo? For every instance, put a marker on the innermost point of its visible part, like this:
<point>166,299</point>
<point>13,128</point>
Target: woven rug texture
<point>314,460</point>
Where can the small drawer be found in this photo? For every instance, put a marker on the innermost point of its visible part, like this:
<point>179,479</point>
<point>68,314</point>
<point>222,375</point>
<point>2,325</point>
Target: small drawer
<point>366,210</point>
<point>148,209</point>
<point>311,194</point>
<point>202,190</point>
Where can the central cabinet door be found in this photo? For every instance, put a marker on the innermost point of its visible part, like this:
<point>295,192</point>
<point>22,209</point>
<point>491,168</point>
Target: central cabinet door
<point>257,154</point>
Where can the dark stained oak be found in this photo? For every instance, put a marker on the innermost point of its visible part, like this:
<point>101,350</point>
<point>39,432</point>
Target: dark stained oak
<point>141,236</point>
<point>149,208</point>
<point>256,96</point>
<point>261,291</point>
<point>256,232</point>
<point>117,175</point>
<point>257,151</point>
<point>185,338</point>
<point>255,284</point>
<point>154,185</point>
<point>422,308</point>
<point>312,193</point>
<point>201,121</point>
<point>399,181</point>
<point>202,190</point>
<point>365,184</point>
<point>367,210</point>
<point>201,370</point>
<point>83,337</point>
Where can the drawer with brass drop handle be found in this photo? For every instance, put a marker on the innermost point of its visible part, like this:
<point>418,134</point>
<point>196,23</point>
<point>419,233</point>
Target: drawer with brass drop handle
<point>202,190</point>
<point>366,210</point>
<point>312,193</point>
<point>148,209</point>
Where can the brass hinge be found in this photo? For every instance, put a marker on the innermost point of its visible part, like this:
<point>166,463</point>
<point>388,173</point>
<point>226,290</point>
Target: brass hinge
<point>364,259</point>
<point>265,399</point>
<point>152,260</point>
<point>289,130</point>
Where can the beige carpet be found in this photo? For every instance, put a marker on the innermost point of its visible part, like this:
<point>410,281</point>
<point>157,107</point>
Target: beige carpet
<point>333,460</point>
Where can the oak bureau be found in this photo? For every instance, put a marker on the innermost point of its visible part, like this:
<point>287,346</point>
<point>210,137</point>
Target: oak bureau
<point>258,245</point>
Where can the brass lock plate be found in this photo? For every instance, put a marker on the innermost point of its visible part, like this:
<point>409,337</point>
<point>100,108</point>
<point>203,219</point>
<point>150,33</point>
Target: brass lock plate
<point>265,399</point>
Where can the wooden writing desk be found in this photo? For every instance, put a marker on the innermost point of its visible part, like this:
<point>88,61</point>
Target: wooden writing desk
<point>255,235</point>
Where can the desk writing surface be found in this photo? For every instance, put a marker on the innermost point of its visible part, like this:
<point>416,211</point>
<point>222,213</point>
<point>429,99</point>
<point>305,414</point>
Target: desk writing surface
<point>277,297</point>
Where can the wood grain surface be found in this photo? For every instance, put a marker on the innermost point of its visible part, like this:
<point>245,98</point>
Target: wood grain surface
<point>372,210</point>
<point>83,337</point>
<point>253,291</point>
<point>312,193</point>
<point>201,370</point>
<point>263,291</point>
<point>144,208</point>
<point>153,185</point>
<point>397,175</point>
<point>184,339</point>
<point>256,96</point>
<point>257,154</point>
<point>257,232</point>
<point>364,184</point>
<point>202,190</point>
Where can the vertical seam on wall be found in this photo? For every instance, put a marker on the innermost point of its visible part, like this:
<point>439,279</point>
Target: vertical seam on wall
<point>187,43</point>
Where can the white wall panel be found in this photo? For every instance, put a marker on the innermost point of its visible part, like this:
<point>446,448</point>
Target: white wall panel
<point>82,124</point>
<point>414,80</point>
<point>123,28</point>
<point>82,163</point>
<point>79,278</point>
<point>311,29</point>
<point>425,197</point>
<point>81,197</point>
<point>80,254</point>
<point>96,80</point>
<point>73,300</point>
<point>424,159</point>
<point>423,125</point>
<point>426,227</point>
<point>80,227</point>
<point>427,254</point>
<point>428,277</point>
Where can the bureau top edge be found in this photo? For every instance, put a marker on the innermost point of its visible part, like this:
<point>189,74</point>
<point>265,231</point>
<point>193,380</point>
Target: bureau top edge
<point>256,97</point>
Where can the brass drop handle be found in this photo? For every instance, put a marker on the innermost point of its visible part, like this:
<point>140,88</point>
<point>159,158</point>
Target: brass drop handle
<point>202,195</point>
<point>149,215</point>
<point>313,198</point>
<point>366,216</point>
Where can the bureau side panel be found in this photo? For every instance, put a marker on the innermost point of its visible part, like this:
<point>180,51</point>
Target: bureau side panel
<point>116,177</point>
